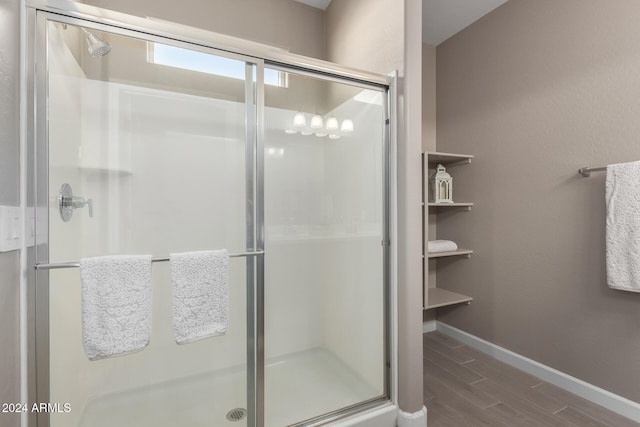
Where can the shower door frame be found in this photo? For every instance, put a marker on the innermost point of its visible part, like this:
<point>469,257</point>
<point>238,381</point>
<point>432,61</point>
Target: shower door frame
<point>388,241</point>
<point>253,145</point>
<point>38,12</point>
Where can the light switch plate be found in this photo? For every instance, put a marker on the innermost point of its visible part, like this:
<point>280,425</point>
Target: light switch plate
<point>11,228</point>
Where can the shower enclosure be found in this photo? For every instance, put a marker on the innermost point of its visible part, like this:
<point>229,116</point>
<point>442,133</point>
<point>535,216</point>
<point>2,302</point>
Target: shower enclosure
<point>150,138</point>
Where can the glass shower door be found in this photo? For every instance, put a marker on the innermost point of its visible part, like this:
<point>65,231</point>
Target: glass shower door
<point>151,147</point>
<point>326,232</point>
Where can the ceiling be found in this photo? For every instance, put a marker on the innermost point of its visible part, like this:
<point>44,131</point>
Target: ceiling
<point>320,4</point>
<point>441,19</point>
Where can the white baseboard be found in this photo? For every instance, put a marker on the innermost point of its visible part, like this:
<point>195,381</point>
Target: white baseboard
<point>611,401</point>
<point>429,326</point>
<point>417,419</point>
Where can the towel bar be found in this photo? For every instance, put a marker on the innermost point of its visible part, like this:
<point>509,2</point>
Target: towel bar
<point>77,264</point>
<point>586,171</point>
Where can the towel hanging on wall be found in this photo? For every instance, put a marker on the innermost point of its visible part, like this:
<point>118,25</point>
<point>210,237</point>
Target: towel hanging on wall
<point>116,304</point>
<point>200,294</point>
<point>623,226</point>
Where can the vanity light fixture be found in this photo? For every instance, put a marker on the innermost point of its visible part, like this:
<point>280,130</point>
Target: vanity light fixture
<point>330,127</point>
<point>332,124</point>
<point>316,122</point>
<point>347,125</point>
<point>299,120</point>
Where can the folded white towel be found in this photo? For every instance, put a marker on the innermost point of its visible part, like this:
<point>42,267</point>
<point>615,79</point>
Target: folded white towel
<point>116,304</point>
<point>623,226</point>
<point>200,290</point>
<point>441,246</point>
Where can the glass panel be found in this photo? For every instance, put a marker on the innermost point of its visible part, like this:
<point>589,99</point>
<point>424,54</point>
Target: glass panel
<point>324,287</point>
<point>160,152</point>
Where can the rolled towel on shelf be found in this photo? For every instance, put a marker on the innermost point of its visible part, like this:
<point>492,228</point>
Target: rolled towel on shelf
<point>200,293</point>
<point>116,304</point>
<point>622,190</point>
<point>441,246</point>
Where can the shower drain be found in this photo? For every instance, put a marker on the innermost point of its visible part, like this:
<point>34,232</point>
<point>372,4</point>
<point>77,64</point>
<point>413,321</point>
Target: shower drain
<point>236,414</point>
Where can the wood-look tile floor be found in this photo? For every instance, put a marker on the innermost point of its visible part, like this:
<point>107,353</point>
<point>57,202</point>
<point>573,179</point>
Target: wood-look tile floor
<point>464,387</point>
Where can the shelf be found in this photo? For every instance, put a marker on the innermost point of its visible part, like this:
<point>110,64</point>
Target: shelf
<point>448,158</point>
<point>450,205</point>
<point>104,171</point>
<point>441,297</point>
<point>435,297</point>
<point>459,252</point>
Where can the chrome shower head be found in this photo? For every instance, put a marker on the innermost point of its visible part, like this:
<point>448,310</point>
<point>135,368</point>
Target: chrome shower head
<point>96,46</point>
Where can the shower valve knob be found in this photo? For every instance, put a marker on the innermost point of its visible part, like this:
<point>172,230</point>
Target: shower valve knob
<point>80,202</point>
<point>67,202</point>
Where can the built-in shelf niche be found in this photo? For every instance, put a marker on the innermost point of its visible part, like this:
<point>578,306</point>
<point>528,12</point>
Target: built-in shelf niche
<point>434,296</point>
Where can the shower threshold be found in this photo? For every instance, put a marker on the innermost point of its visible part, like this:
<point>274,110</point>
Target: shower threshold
<point>298,387</point>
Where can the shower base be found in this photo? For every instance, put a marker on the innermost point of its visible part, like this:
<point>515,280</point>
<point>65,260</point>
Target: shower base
<point>297,387</point>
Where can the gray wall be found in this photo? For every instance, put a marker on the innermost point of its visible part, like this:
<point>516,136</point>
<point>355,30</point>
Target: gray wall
<point>429,114</point>
<point>283,23</point>
<point>366,34</point>
<point>536,90</point>
<point>9,195</point>
<point>428,97</point>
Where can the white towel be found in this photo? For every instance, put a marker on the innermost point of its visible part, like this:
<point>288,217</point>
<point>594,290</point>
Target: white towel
<point>441,246</point>
<point>116,304</point>
<point>623,226</point>
<point>200,290</point>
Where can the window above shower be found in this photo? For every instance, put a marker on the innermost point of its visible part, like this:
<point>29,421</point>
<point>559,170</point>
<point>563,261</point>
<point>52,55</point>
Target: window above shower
<point>186,59</point>
<point>151,64</point>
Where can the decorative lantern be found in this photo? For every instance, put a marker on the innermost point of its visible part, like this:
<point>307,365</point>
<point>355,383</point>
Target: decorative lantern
<point>441,186</point>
